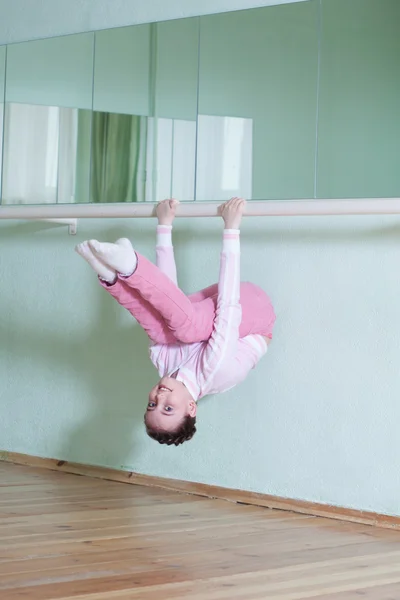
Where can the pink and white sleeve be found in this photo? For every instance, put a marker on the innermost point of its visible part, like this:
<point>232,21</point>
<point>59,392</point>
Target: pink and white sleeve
<point>223,342</point>
<point>165,259</point>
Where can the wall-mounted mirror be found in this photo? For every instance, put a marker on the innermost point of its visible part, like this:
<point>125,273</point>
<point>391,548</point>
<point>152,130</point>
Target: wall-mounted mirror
<point>145,111</point>
<point>49,89</point>
<point>2,89</point>
<point>257,103</point>
<point>290,101</point>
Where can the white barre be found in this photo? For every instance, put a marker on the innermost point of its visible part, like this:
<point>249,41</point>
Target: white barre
<point>255,208</point>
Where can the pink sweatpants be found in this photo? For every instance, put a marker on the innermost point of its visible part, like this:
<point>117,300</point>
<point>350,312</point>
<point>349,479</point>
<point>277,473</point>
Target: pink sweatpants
<point>168,315</point>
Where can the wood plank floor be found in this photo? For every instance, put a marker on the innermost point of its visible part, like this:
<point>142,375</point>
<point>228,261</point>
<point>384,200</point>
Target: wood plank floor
<point>64,536</point>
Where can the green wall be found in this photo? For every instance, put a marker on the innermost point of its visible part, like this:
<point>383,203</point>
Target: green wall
<point>317,420</point>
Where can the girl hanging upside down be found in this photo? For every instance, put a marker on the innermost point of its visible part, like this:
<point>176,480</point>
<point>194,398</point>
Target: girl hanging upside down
<point>201,344</point>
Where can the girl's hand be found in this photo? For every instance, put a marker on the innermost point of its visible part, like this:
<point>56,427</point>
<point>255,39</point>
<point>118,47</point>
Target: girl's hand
<point>166,211</point>
<point>232,212</point>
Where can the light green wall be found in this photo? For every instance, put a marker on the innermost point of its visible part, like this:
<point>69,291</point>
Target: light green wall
<point>22,20</point>
<point>318,419</point>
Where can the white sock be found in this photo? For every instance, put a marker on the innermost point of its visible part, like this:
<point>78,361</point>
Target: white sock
<point>103,271</point>
<point>119,256</point>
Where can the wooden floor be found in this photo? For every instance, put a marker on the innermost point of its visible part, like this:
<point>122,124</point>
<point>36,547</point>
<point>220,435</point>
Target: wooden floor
<point>64,536</point>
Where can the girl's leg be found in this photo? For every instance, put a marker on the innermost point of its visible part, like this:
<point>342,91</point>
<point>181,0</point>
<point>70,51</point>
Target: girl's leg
<point>186,321</point>
<point>258,316</point>
<point>190,319</point>
<point>209,292</point>
<point>148,318</point>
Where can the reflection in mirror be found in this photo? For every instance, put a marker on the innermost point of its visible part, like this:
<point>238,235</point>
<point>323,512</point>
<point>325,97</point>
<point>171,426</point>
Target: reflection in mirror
<point>2,88</point>
<point>47,122</point>
<point>257,103</point>
<point>145,102</point>
<point>225,158</point>
<point>118,157</point>
<point>359,106</point>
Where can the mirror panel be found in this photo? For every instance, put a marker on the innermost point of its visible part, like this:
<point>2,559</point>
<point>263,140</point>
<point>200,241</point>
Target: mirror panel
<point>121,102</point>
<point>122,71</point>
<point>145,102</point>
<point>291,101</point>
<point>176,107</point>
<point>49,89</point>
<point>257,103</point>
<point>359,107</point>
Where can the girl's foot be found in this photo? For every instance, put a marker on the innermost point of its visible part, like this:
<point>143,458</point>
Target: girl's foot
<point>120,256</point>
<point>103,271</point>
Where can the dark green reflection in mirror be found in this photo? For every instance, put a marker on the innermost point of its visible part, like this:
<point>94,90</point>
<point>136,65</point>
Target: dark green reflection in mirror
<point>118,157</point>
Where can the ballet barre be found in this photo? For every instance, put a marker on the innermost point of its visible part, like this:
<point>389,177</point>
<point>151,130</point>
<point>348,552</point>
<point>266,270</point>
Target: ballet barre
<point>255,208</point>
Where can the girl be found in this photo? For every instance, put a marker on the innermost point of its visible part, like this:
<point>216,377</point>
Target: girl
<point>201,344</point>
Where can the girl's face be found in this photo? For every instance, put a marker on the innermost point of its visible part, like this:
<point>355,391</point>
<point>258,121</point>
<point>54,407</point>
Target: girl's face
<point>169,403</point>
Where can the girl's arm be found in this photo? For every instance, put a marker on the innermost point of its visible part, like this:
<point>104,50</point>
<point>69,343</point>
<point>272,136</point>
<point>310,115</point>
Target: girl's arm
<point>223,342</point>
<point>165,259</point>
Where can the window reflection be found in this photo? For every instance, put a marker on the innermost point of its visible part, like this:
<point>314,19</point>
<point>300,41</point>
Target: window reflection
<point>50,151</point>
<point>224,157</point>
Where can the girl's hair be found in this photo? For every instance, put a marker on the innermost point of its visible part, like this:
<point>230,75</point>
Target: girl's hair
<point>184,433</point>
